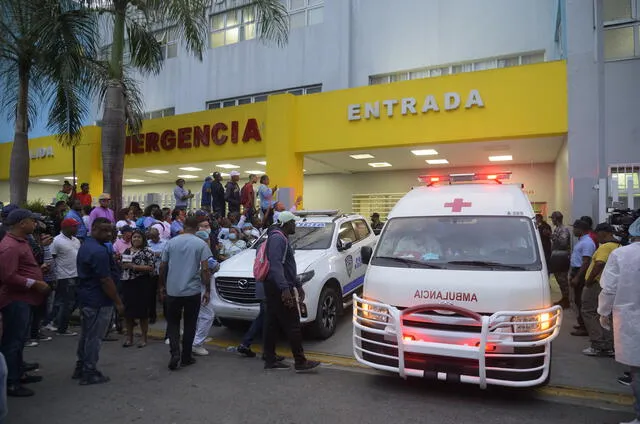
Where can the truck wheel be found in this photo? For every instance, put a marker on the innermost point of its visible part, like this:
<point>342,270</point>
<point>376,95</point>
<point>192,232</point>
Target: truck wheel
<point>327,315</point>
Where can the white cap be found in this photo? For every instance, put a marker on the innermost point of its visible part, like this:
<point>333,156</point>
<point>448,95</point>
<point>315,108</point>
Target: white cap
<point>286,216</point>
<point>234,174</point>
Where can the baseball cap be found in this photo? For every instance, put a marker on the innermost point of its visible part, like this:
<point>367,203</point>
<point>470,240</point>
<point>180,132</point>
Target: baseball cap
<point>234,174</point>
<point>8,209</point>
<point>557,214</point>
<point>126,229</point>
<point>605,227</point>
<point>375,215</point>
<point>580,224</point>
<point>216,174</point>
<point>18,215</point>
<point>104,196</point>
<point>69,222</point>
<point>287,216</point>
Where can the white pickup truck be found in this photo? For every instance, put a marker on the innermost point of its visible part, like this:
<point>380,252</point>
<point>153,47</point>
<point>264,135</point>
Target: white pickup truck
<point>327,249</point>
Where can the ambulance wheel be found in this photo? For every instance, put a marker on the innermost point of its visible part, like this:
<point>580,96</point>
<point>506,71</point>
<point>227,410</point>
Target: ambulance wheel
<point>329,306</point>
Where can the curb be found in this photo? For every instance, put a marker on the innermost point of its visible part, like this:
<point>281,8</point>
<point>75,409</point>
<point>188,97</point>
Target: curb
<point>558,391</point>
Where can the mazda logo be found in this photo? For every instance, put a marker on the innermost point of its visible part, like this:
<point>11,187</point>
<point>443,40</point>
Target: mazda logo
<point>243,284</point>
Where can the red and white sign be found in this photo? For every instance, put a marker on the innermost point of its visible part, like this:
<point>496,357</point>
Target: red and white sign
<point>457,205</point>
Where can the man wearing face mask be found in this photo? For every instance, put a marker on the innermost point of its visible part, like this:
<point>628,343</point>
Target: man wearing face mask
<point>282,311</point>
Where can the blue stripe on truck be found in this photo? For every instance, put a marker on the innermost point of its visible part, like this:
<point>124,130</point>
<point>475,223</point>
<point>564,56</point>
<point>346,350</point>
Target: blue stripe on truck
<point>353,285</point>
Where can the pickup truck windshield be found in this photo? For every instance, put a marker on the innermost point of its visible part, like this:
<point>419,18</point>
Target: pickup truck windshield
<point>308,236</point>
<point>478,243</point>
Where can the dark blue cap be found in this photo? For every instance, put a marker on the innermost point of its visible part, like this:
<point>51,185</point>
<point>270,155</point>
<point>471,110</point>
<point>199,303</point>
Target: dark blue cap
<point>18,215</point>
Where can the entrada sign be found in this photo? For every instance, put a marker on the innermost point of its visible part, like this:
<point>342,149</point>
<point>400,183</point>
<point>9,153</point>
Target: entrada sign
<point>196,136</point>
<point>42,152</point>
<point>409,105</point>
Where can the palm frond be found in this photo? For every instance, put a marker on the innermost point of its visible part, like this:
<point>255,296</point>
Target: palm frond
<point>134,103</point>
<point>145,50</point>
<point>273,20</point>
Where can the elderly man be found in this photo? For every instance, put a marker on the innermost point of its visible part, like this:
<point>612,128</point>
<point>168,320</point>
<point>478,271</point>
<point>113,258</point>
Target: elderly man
<point>181,195</point>
<point>620,295</point>
<point>102,211</point>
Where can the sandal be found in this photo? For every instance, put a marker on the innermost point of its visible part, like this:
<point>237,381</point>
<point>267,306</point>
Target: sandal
<point>127,344</point>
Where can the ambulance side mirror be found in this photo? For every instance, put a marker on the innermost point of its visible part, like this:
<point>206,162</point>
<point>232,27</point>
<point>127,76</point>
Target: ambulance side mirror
<point>366,253</point>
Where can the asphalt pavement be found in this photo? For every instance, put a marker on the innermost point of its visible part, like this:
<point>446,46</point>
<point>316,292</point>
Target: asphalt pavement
<point>225,388</point>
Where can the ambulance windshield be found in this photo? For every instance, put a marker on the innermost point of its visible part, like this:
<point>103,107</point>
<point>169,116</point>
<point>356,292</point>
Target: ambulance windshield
<point>488,243</point>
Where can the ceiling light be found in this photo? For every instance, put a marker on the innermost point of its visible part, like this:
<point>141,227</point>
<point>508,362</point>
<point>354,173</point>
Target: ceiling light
<point>379,164</point>
<point>253,171</point>
<point>134,180</point>
<point>48,180</point>
<point>228,166</point>
<point>188,176</point>
<point>304,170</point>
<point>262,162</point>
<point>190,169</point>
<point>437,161</point>
<point>71,178</point>
<point>224,174</point>
<point>503,158</point>
<point>425,152</point>
<point>363,156</point>
<point>157,171</point>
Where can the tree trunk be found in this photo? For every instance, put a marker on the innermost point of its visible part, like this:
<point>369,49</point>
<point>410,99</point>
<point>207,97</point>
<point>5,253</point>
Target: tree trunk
<point>113,143</point>
<point>19,168</point>
<point>114,122</point>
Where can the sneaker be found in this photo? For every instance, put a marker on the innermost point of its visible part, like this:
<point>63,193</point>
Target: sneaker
<point>307,366</point>
<point>208,340</point>
<point>246,351</point>
<point>580,333</point>
<point>187,362</point>
<point>625,380</point>
<point>95,377</point>
<point>77,373</point>
<point>67,333</point>
<point>200,351</point>
<point>44,338</point>
<point>31,343</point>
<point>166,341</point>
<point>30,378</point>
<point>174,363</point>
<point>51,327</point>
<point>277,366</point>
<point>279,358</point>
<point>30,366</point>
<point>19,391</point>
<point>590,351</point>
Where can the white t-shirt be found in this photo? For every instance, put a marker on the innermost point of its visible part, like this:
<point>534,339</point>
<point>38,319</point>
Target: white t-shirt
<point>65,252</point>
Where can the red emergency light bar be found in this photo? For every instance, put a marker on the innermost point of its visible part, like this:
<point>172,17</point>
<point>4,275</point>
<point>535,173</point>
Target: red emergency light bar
<point>498,177</point>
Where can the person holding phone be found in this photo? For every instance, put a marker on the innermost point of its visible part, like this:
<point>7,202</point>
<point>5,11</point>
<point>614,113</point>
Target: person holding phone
<point>138,264</point>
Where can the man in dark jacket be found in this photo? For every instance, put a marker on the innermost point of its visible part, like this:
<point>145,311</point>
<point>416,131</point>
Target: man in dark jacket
<point>282,309</point>
<point>232,193</point>
<point>217,196</point>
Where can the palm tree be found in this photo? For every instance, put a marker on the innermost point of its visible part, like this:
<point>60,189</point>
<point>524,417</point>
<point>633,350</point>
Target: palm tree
<point>133,24</point>
<point>46,50</point>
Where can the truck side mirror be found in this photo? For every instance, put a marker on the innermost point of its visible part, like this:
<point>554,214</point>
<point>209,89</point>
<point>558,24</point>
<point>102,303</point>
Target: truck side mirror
<point>366,253</point>
<point>344,245</point>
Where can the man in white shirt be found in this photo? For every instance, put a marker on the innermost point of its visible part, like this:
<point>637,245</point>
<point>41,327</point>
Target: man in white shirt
<point>64,249</point>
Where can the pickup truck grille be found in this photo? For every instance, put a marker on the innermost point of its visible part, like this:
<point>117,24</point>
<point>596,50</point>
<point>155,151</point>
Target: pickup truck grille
<point>237,290</point>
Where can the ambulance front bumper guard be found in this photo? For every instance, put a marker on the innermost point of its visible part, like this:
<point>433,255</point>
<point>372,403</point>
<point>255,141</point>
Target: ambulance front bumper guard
<point>381,338</point>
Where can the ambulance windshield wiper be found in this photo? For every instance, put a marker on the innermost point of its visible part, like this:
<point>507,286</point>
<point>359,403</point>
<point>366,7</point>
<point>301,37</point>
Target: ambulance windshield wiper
<point>410,262</point>
<point>487,264</point>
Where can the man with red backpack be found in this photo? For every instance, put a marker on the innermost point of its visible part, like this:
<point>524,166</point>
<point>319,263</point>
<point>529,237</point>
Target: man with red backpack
<point>279,285</point>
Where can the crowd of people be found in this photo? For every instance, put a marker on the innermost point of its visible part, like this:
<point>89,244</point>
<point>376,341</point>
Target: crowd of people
<point>599,278</point>
<point>116,268</point>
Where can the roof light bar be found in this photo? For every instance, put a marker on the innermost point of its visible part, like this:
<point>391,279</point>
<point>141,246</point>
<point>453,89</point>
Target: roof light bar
<point>459,178</point>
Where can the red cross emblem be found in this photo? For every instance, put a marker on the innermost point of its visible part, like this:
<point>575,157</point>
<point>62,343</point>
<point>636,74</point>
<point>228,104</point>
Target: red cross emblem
<point>457,205</point>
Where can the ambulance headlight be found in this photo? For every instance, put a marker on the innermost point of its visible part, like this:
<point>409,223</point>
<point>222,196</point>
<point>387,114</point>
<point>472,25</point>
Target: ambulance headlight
<point>531,323</point>
<point>375,313</point>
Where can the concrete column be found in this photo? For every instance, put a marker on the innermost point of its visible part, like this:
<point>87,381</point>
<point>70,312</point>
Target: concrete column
<point>284,165</point>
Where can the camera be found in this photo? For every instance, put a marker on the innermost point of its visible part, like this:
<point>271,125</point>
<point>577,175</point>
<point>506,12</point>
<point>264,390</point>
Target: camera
<point>621,220</point>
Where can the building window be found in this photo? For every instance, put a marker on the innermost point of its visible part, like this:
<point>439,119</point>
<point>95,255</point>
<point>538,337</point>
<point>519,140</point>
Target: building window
<point>233,26</point>
<point>262,97</point>
<point>168,43</point>
<point>623,173</point>
<point>305,12</point>
<point>457,68</point>
<point>621,26</point>
<point>160,113</point>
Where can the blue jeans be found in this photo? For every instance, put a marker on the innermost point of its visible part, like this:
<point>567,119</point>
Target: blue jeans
<point>635,386</point>
<point>17,318</point>
<point>64,302</point>
<point>257,327</point>
<point>94,322</point>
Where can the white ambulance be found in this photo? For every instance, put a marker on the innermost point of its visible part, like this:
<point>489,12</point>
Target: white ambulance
<point>457,287</point>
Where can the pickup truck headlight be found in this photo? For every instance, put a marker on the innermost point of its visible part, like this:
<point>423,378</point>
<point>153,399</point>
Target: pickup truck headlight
<point>375,313</point>
<point>305,276</point>
<point>531,323</point>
